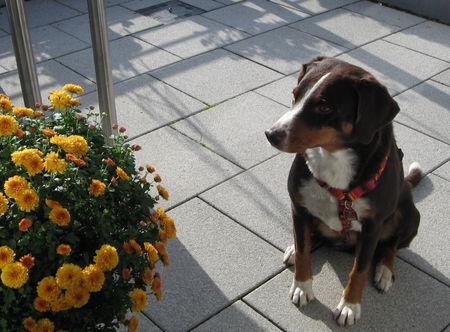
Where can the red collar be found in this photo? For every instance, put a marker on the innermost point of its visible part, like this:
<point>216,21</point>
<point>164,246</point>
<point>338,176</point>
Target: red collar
<point>346,197</point>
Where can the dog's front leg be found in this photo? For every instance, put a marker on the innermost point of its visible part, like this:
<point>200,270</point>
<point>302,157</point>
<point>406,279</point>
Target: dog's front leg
<point>348,310</point>
<point>301,292</point>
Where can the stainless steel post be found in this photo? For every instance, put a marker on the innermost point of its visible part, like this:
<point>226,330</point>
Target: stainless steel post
<point>102,62</point>
<point>23,52</point>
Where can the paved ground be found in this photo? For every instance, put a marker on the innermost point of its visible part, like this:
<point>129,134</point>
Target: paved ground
<point>197,94</point>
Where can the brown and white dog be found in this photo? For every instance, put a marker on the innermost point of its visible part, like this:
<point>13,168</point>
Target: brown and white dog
<point>346,183</point>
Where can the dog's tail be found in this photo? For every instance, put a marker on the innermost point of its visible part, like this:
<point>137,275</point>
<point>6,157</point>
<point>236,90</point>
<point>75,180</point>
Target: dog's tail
<point>414,174</point>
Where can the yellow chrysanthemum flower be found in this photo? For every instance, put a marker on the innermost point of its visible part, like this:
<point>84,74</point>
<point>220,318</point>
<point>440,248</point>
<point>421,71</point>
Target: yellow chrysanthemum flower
<point>48,289</point>
<point>63,249</point>
<point>27,200</point>
<point>93,278</point>
<point>122,174</point>
<point>30,159</point>
<point>8,125</point>
<point>29,324</point>
<point>163,192</point>
<point>69,276</point>
<point>41,305</point>
<point>77,296</point>
<point>133,324</point>
<point>147,276</point>
<point>106,258</point>
<point>169,227</point>
<point>5,103</point>
<point>60,304</point>
<point>73,144</point>
<point>3,204</point>
<point>138,299</point>
<point>161,213</point>
<point>44,325</point>
<point>23,111</point>
<point>54,164</point>
<point>6,256</point>
<point>73,88</point>
<point>152,253</point>
<point>14,185</point>
<point>156,287</point>
<point>14,275</point>
<point>97,188</point>
<point>60,216</point>
<point>59,99</point>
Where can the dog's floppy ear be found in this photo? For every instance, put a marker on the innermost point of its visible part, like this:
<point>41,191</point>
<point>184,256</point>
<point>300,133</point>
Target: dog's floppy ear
<point>307,66</point>
<point>376,108</point>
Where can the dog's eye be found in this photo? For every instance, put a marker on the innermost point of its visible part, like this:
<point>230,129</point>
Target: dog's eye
<point>324,109</point>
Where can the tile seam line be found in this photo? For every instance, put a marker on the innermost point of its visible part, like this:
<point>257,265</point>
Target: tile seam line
<point>417,51</point>
<point>421,132</point>
<point>217,184</point>
<point>429,78</point>
<point>73,70</point>
<point>423,271</point>
<point>238,222</point>
<point>241,296</point>
<point>263,314</point>
<point>152,321</point>
<point>441,177</point>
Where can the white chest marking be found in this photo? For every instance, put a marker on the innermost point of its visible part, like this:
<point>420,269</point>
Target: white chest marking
<point>337,170</point>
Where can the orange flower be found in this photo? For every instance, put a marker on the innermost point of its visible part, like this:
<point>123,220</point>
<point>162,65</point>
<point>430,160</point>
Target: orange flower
<point>163,192</point>
<point>127,248</point>
<point>27,261</point>
<point>60,216</point>
<point>97,188</point>
<point>52,204</point>
<point>156,286</point>
<point>41,305</point>
<point>49,132</point>
<point>157,178</point>
<point>136,247</point>
<point>29,324</point>
<point>147,276</point>
<point>63,249</point>
<point>122,174</point>
<point>161,248</point>
<point>163,235</point>
<point>126,274</point>
<point>20,132</point>
<point>24,224</point>
<point>150,168</point>
<point>133,324</point>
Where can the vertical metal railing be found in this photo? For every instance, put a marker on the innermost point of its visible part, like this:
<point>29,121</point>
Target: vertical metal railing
<point>24,52</point>
<point>100,48</point>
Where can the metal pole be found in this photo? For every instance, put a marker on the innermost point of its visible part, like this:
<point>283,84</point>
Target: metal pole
<point>102,62</point>
<point>23,52</point>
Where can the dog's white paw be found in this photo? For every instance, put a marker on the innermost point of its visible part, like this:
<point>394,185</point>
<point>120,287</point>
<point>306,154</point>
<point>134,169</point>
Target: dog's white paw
<point>289,255</point>
<point>347,314</point>
<point>301,293</point>
<point>383,278</point>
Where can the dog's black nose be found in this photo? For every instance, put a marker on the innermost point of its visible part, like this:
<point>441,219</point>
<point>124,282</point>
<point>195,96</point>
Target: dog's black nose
<point>275,136</point>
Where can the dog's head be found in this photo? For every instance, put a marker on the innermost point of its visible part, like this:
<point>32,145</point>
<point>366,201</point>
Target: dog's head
<point>335,104</point>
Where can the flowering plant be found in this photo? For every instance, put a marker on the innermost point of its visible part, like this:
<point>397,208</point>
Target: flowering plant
<point>80,233</point>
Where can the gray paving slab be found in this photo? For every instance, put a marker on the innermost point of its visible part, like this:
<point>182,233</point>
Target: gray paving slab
<point>192,36</point>
<point>345,28</point>
<point>82,5</point>
<point>129,57</point>
<point>228,2</point>
<point>443,77</point>
<point>3,33</point>
<point>395,66</point>
<point>47,42</point>
<point>40,12</point>
<point>255,16</point>
<point>429,249</point>
<point>426,108</point>
<point>401,309</point>
<point>143,103</point>
<point>237,317</point>
<point>281,90</point>
<point>416,146</point>
<point>185,167</point>
<point>284,49</point>
<point>428,37</point>
<point>213,262</point>
<point>204,4</point>
<point>140,4</point>
<point>385,14</point>
<point>443,171</point>
<point>120,21</point>
<point>220,128</point>
<point>313,6</point>
<point>258,199</point>
<point>51,75</point>
<point>215,76</point>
